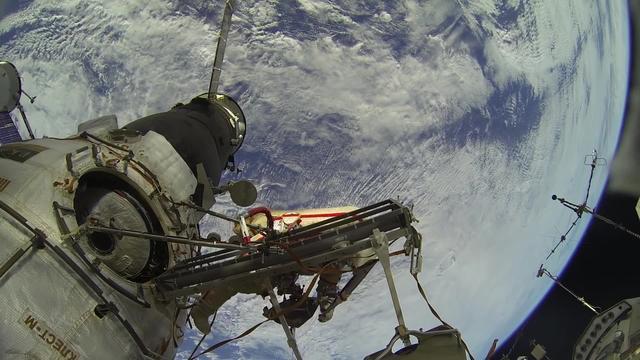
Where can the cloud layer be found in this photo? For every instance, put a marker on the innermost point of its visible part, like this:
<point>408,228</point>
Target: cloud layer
<point>476,112</point>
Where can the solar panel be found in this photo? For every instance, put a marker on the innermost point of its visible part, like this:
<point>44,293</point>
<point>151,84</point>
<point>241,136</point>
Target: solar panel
<point>8,130</point>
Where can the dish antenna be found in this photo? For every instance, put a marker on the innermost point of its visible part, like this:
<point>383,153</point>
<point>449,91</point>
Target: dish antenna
<point>10,87</point>
<point>10,92</point>
<point>243,193</point>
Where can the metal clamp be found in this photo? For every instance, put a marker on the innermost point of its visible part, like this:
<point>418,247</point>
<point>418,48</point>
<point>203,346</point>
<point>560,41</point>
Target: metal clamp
<point>415,239</point>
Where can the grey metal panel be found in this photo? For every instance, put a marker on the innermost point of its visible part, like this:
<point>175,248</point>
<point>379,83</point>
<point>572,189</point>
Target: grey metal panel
<point>97,125</point>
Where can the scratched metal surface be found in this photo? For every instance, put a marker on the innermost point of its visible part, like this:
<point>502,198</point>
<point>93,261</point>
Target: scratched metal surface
<point>47,311</point>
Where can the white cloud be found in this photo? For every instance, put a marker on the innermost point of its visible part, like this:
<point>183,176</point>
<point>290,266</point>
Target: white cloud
<point>336,122</point>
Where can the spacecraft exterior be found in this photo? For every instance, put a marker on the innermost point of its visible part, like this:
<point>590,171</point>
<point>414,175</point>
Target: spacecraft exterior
<point>72,292</point>
<point>102,256</point>
<point>614,334</point>
<point>60,281</point>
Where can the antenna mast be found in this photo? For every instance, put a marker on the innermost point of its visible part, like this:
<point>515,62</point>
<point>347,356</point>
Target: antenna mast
<point>580,209</point>
<point>591,160</point>
<point>542,271</point>
<point>220,49</point>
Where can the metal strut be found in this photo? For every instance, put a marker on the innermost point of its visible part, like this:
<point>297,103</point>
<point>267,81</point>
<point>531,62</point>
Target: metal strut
<point>380,244</point>
<point>311,245</point>
<point>164,238</point>
<point>220,48</point>
<point>18,255</point>
<point>26,121</point>
<point>291,340</point>
<point>299,251</point>
<point>542,271</point>
<point>581,209</point>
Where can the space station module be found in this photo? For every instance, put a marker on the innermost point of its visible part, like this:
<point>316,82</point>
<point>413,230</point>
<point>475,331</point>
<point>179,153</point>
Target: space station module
<point>72,293</point>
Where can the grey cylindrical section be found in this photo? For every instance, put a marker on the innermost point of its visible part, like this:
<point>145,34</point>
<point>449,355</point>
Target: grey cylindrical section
<point>199,131</point>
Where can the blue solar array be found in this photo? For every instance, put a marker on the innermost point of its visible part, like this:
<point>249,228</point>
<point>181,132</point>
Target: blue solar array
<point>8,130</point>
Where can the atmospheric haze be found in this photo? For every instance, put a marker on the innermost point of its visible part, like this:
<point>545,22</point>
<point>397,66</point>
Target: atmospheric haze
<point>473,111</point>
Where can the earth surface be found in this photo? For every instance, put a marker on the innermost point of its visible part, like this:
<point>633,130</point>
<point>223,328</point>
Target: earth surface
<point>475,112</point>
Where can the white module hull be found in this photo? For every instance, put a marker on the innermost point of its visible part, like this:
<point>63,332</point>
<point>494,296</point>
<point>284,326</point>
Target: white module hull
<point>49,308</point>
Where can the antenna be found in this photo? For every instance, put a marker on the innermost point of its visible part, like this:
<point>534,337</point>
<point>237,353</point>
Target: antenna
<point>563,237</point>
<point>220,48</point>
<point>542,271</point>
<point>32,99</point>
<point>580,209</point>
<point>224,102</point>
<point>10,92</point>
<point>593,161</point>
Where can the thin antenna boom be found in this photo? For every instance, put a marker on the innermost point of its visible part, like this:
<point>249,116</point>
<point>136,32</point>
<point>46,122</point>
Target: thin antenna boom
<point>542,271</point>
<point>26,121</point>
<point>591,160</point>
<point>220,48</point>
<point>580,209</point>
<point>595,161</point>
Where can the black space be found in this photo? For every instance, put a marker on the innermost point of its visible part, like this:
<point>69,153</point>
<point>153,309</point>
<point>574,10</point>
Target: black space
<point>604,270</point>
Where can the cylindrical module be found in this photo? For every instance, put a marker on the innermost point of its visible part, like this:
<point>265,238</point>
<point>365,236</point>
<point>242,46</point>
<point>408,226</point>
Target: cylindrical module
<point>91,295</point>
